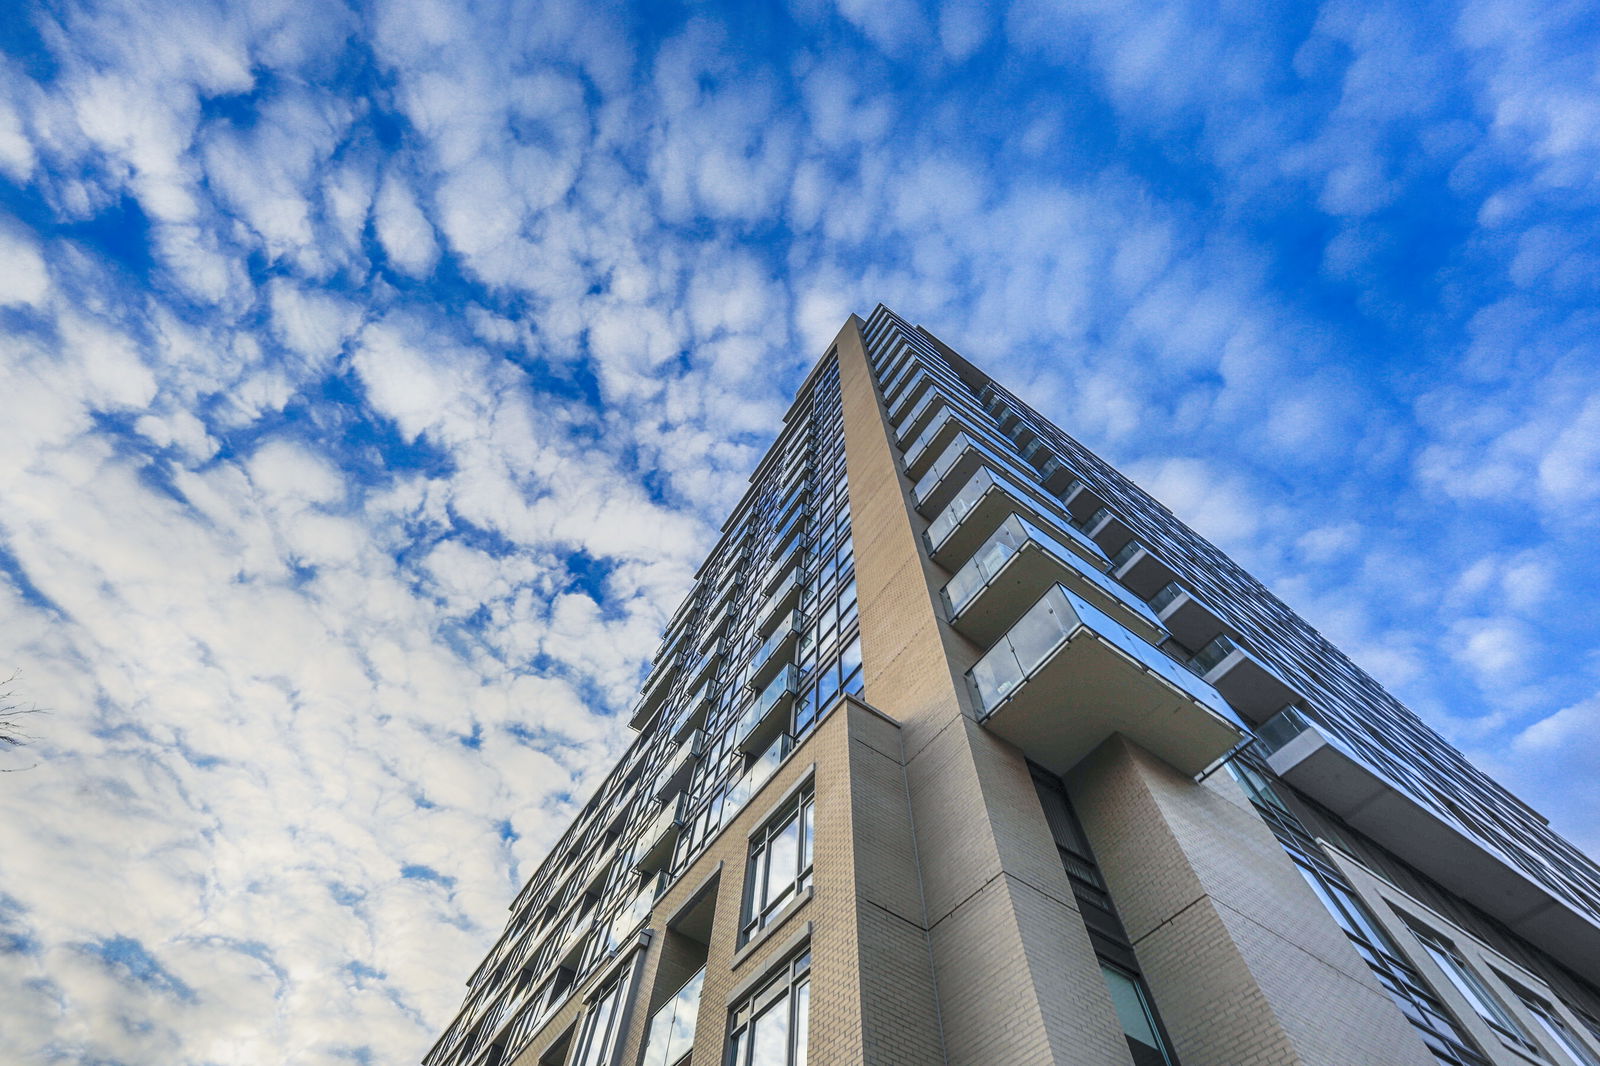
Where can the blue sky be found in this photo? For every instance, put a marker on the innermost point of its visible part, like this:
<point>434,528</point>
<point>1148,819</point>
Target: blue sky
<point>375,378</point>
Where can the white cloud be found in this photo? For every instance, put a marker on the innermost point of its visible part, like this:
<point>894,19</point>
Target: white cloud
<point>25,279</point>
<point>404,230</point>
<point>293,532</point>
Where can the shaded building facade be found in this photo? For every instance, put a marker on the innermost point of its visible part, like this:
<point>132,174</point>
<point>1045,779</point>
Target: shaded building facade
<point>963,749</point>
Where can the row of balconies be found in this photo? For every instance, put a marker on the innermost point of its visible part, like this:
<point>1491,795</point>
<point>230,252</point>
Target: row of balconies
<point>1071,668</point>
<point>1075,651</point>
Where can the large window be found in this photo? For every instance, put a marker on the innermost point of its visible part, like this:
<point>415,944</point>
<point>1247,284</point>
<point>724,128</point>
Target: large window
<point>780,861</point>
<point>1555,1027</point>
<point>1440,1032</point>
<point>1475,990</point>
<point>671,1035</point>
<point>771,1028</point>
<point>601,1038</point>
<point>1138,1020</point>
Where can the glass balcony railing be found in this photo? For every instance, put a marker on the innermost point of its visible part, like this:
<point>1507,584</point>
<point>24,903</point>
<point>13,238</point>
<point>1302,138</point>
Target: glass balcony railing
<point>959,460</point>
<point>654,844</point>
<point>767,656</point>
<point>630,915</point>
<point>760,769</point>
<point>978,507</point>
<point>1166,597</point>
<point>1128,551</point>
<point>1280,729</point>
<point>675,772</point>
<point>906,400</point>
<point>1080,500</point>
<point>1017,536</point>
<point>657,686</point>
<point>763,716</point>
<point>905,432</point>
<point>942,429</point>
<point>1252,687</point>
<point>1067,675</point>
<point>1209,657</point>
<point>1046,627</point>
<point>670,1037</point>
<point>783,597</point>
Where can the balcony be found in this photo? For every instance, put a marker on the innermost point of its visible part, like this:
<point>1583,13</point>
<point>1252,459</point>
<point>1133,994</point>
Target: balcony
<point>1140,569</point>
<point>768,716</point>
<point>670,1037</point>
<point>955,465</point>
<point>692,714</point>
<point>1015,567</point>
<point>1107,530</point>
<point>705,666</point>
<point>897,379</point>
<point>781,567</point>
<point>1315,761</point>
<point>782,598</point>
<point>1188,619</point>
<point>776,649</point>
<point>906,401</point>
<point>656,688</point>
<point>1249,685</point>
<point>1067,676</point>
<point>975,512</point>
<point>631,915</point>
<point>944,427</point>
<point>1053,474</point>
<point>917,420</point>
<point>653,848</point>
<point>761,768</point>
<point>1081,501</point>
<point>674,775</point>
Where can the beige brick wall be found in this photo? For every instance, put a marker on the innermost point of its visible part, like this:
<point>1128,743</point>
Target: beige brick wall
<point>1016,979</point>
<point>1243,961</point>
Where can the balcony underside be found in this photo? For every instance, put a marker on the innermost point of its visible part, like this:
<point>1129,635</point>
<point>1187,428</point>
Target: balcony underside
<point>1250,687</point>
<point>1190,622</point>
<point>1325,771</point>
<point>1089,690</point>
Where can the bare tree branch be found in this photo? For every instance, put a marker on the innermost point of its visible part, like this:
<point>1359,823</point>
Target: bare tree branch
<point>13,715</point>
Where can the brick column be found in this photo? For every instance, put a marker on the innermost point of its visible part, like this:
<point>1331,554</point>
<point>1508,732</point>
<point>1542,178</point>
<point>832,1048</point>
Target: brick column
<point>1017,980</point>
<point>1243,961</point>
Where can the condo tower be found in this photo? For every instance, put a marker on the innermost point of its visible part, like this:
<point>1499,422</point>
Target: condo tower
<point>963,750</point>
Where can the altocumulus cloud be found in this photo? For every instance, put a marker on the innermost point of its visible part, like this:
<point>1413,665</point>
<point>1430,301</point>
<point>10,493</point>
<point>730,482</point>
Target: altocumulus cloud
<point>376,376</point>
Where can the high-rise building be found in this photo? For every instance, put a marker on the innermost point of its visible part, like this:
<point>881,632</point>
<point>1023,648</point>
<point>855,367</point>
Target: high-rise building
<point>963,749</point>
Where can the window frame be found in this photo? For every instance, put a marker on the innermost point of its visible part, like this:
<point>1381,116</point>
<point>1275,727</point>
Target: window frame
<point>1474,988</point>
<point>1547,1016</point>
<point>764,902</point>
<point>789,985</point>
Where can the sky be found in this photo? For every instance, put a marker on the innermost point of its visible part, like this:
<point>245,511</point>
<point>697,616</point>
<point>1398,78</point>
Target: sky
<point>375,378</point>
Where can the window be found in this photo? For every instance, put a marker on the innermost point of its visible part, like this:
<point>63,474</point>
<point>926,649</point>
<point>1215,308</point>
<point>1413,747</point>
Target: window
<point>1133,1011</point>
<point>1475,990</point>
<point>1440,1032</point>
<point>1550,1020</point>
<point>671,1035</point>
<point>1129,995</point>
<point>602,1026</point>
<point>771,1027</point>
<point>780,861</point>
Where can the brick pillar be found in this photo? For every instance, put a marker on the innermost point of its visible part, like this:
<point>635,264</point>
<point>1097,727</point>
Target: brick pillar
<point>1244,963</point>
<point>1017,980</point>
